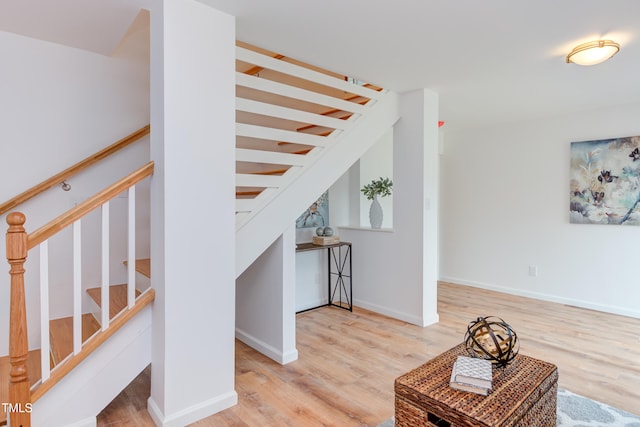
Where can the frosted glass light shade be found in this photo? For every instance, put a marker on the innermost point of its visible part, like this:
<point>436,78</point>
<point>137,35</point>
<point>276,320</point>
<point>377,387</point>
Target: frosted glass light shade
<point>593,53</point>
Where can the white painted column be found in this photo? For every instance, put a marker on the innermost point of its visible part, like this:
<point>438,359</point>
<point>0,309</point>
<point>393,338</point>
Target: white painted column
<point>266,301</point>
<point>192,211</point>
<point>416,190</point>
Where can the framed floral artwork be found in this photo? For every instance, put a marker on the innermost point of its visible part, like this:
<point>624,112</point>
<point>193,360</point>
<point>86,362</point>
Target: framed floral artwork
<point>605,181</point>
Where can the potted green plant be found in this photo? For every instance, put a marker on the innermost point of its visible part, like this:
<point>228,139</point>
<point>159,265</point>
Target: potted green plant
<point>377,187</point>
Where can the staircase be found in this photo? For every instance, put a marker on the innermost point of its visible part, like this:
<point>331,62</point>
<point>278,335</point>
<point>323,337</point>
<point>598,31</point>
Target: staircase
<point>299,128</point>
<point>93,353</point>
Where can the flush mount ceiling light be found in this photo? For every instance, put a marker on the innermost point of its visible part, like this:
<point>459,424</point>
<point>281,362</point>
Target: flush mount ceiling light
<point>593,53</point>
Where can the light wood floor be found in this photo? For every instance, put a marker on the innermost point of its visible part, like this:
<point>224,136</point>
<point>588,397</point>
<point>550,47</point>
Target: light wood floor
<point>348,361</point>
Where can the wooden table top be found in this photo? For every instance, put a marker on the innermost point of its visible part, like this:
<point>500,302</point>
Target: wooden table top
<point>301,247</point>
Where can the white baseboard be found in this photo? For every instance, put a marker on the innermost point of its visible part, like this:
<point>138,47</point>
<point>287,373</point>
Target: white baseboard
<point>193,413</point>
<point>414,320</point>
<point>546,297</point>
<point>271,352</point>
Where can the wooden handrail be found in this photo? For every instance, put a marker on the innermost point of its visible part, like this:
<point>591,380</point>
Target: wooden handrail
<point>47,231</point>
<point>73,170</point>
<point>19,387</point>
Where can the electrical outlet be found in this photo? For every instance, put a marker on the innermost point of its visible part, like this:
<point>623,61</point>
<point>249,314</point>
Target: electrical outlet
<point>533,270</point>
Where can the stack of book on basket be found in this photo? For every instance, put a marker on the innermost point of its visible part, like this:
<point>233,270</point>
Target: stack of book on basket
<point>471,374</point>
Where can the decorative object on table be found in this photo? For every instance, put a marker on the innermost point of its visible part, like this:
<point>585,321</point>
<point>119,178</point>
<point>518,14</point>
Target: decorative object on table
<point>324,236</point>
<point>324,231</point>
<point>317,215</point>
<point>377,187</point>
<point>603,181</point>
<point>493,339</point>
<point>471,374</point>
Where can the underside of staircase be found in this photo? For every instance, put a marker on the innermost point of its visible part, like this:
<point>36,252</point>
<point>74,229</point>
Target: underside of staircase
<point>298,129</point>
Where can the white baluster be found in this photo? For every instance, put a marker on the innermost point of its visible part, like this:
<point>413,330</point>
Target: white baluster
<point>104,290</point>
<point>77,287</point>
<point>131,277</point>
<point>44,311</point>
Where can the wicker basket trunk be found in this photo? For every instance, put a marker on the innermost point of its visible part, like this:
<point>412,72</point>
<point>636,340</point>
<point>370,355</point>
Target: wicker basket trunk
<point>523,394</point>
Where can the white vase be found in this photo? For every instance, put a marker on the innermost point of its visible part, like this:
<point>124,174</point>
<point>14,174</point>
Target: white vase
<point>375,214</point>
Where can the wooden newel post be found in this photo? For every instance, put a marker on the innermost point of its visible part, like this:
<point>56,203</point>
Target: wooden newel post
<point>19,387</point>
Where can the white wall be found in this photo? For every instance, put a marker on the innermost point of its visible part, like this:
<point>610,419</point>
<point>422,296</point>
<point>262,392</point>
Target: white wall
<point>265,301</point>
<point>505,207</point>
<point>311,276</point>
<point>59,105</point>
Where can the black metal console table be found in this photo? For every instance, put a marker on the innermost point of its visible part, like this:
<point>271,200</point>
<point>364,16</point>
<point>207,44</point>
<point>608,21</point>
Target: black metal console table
<point>338,254</point>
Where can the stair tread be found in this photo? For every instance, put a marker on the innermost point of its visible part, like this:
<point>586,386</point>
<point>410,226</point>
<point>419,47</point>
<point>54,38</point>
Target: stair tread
<point>61,335</point>
<point>117,298</point>
<point>143,266</point>
<point>33,368</point>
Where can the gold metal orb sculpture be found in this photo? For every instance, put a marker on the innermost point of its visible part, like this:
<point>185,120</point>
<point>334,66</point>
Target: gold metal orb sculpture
<point>493,339</point>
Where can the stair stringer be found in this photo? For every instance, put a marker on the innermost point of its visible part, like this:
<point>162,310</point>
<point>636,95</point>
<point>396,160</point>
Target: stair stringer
<point>85,391</point>
<point>254,237</point>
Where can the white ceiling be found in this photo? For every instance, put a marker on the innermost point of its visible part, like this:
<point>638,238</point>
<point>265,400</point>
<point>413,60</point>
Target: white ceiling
<point>471,52</point>
<point>94,25</point>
